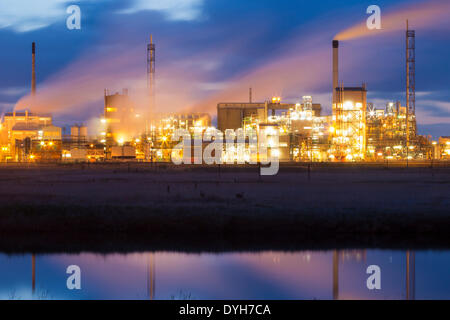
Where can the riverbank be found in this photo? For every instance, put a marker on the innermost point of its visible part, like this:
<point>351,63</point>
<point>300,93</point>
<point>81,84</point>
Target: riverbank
<point>143,207</point>
<point>76,229</point>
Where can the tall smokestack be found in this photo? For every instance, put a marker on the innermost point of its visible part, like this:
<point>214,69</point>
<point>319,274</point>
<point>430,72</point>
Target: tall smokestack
<point>335,68</point>
<point>33,69</point>
<point>151,73</point>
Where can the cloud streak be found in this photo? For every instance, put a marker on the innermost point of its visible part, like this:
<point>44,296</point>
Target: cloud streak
<point>421,15</point>
<point>80,86</point>
<point>29,15</point>
<point>183,10</point>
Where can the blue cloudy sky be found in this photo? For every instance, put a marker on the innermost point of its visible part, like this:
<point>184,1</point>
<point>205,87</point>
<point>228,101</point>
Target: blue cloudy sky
<point>213,50</point>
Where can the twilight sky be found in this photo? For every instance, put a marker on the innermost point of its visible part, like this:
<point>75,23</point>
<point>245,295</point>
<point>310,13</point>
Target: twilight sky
<point>210,51</point>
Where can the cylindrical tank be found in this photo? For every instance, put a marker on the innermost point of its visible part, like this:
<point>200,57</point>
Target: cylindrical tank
<point>83,132</point>
<point>74,132</point>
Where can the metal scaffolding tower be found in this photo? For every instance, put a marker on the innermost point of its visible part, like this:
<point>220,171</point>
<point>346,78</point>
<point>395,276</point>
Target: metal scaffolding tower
<point>151,73</point>
<point>410,81</point>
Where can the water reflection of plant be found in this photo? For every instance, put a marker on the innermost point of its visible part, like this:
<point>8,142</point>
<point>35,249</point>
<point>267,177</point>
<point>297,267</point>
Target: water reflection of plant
<point>182,296</point>
<point>43,295</point>
<point>12,295</point>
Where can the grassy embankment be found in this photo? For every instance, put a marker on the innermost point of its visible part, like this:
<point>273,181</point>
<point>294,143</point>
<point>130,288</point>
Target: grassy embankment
<point>118,207</point>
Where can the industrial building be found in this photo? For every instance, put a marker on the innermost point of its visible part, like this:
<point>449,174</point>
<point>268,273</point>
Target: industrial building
<point>21,130</point>
<point>354,130</point>
<point>79,147</point>
<point>163,126</point>
<point>349,124</point>
<point>233,115</point>
<point>443,148</point>
<point>121,125</point>
<point>299,126</point>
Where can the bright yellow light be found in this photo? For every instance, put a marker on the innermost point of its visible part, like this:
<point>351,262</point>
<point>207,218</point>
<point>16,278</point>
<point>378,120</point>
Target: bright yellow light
<point>276,99</point>
<point>348,105</point>
<point>120,141</point>
<point>103,120</point>
<point>50,143</point>
<point>275,153</point>
<point>31,156</point>
<point>42,143</point>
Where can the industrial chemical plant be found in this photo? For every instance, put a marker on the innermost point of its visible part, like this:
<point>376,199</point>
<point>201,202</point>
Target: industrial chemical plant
<point>355,131</point>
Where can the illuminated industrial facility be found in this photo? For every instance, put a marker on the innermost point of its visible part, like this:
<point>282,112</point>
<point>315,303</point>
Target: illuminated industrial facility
<point>354,131</point>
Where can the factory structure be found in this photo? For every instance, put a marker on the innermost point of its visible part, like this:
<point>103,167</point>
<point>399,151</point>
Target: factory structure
<point>354,131</point>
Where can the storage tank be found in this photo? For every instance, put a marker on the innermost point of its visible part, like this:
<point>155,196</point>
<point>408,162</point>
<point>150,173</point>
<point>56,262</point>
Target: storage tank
<point>74,132</point>
<point>83,133</point>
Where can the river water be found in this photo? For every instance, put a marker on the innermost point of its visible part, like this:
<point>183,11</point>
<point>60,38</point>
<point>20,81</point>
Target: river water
<point>333,274</point>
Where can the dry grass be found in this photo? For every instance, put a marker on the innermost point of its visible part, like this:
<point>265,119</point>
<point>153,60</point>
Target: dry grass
<point>70,208</point>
